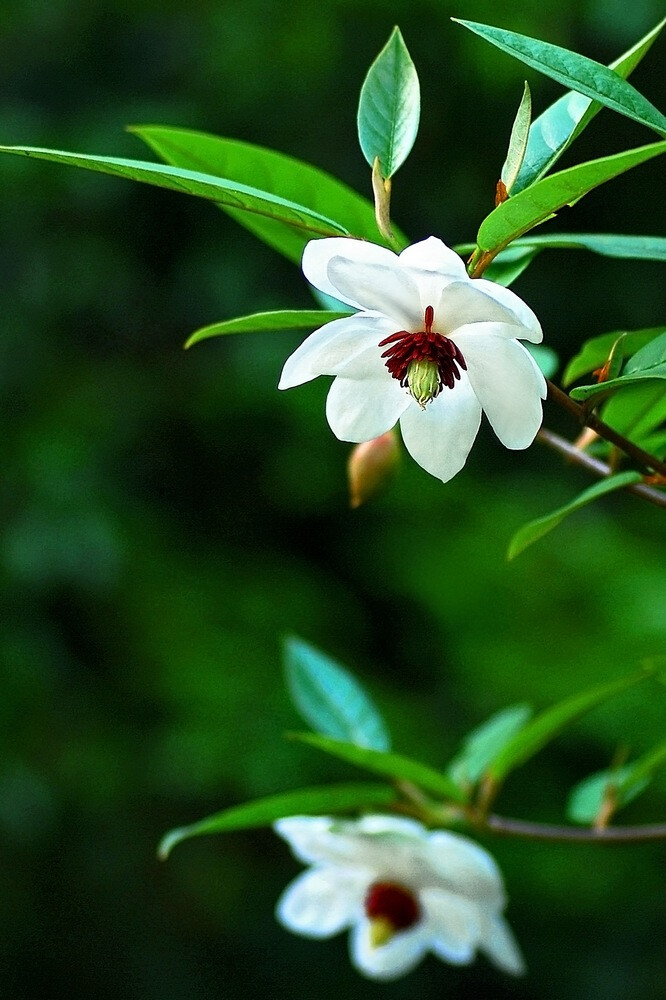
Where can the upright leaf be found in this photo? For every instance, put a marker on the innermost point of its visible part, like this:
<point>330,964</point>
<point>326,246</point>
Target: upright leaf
<point>330,699</point>
<point>518,141</point>
<point>586,76</point>
<point>587,799</point>
<point>389,107</point>
<point>262,812</point>
<point>557,127</point>
<point>595,351</point>
<point>485,742</point>
<point>648,363</point>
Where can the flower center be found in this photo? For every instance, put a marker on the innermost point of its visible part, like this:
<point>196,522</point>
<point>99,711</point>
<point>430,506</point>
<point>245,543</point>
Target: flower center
<point>423,362</point>
<point>390,908</point>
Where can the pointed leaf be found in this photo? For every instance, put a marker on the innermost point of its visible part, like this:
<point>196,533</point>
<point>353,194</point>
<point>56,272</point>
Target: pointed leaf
<point>263,812</point>
<point>647,363</point>
<point>637,411</point>
<point>546,726</point>
<point>518,141</point>
<point>605,244</point>
<point>534,530</point>
<point>391,765</point>
<point>330,699</point>
<point>594,353</point>
<point>587,799</point>
<point>283,319</point>
<point>389,107</point>
<point>484,743</point>
<point>554,130</point>
<point>536,204</point>
<point>586,76</point>
<point>285,176</point>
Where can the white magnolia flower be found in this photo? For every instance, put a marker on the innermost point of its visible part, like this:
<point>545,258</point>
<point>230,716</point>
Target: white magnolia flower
<point>430,347</point>
<point>402,890</point>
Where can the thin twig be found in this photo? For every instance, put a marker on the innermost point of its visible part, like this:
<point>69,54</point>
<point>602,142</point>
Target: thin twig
<point>505,826</point>
<point>579,457</point>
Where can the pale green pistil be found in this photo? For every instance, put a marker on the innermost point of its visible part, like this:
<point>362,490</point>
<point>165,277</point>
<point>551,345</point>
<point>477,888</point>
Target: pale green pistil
<point>423,381</point>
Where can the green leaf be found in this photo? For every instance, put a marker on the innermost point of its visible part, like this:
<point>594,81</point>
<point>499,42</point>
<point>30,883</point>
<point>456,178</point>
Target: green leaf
<point>636,411</point>
<point>605,244</point>
<point>390,765</point>
<point>484,743</point>
<point>546,726</point>
<point>508,265</point>
<point>644,767</point>
<point>534,530</point>
<point>594,353</point>
<point>587,798</point>
<point>283,319</point>
<point>648,363</point>
<point>649,356</point>
<point>554,130</point>
<point>245,163</point>
<point>229,194</point>
<point>586,76</point>
<point>536,204</point>
<point>389,107</point>
<point>263,812</point>
<point>518,141</point>
<point>330,699</point>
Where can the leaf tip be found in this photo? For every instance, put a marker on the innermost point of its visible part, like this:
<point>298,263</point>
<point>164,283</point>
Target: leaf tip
<point>169,841</point>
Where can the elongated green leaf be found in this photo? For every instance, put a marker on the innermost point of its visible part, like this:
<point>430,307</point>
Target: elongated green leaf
<point>283,319</point>
<point>575,71</point>
<point>229,194</point>
<point>648,363</point>
<point>262,812</point>
<point>647,357</point>
<point>546,726</point>
<point>587,798</point>
<point>484,743</point>
<point>594,353</point>
<point>637,411</point>
<point>330,699</point>
<point>518,141</point>
<point>523,211</point>
<point>389,107</point>
<point>512,261</point>
<point>508,265</point>
<point>245,163</point>
<point>644,767</point>
<point>391,765</point>
<point>534,530</point>
<point>557,127</point>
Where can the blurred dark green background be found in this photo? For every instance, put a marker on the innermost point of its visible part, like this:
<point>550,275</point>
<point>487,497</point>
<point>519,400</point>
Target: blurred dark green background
<point>167,517</point>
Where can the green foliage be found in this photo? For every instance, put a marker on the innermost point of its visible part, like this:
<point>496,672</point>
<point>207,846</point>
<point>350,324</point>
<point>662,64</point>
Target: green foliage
<point>575,71</point>
<point>304,801</point>
<point>534,530</point>
<point>595,352</point>
<point>330,699</point>
<point>391,765</point>
<point>283,319</point>
<point>389,107</point>
<point>605,244</point>
<point>648,363</point>
<point>518,141</point>
<point>548,724</point>
<point>483,744</point>
<point>281,175</point>
<point>613,786</point>
<point>638,411</point>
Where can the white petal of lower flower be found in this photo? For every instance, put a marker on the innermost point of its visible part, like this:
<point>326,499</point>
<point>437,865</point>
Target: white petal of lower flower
<point>391,960</point>
<point>322,901</point>
<point>306,835</point>
<point>465,302</point>
<point>501,948</point>
<point>387,289</point>
<point>360,410</point>
<point>453,923</point>
<point>440,437</point>
<point>398,825</point>
<point>507,383</point>
<point>466,868</point>
<point>335,346</point>
<point>512,304</point>
<point>319,253</point>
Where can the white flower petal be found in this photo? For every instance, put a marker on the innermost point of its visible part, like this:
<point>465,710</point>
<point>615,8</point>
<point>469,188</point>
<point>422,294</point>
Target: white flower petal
<point>501,948</point>
<point>322,901</point>
<point>360,410</point>
<point>310,838</point>
<point>319,253</point>
<point>466,868</point>
<point>390,290</point>
<point>439,438</point>
<point>434,255</point>
<point>333,347</point>
<point>390,961</point>
<point>398,825</point>
<point>480,301</point>
<point>508,384</point>
<point>453,923</point>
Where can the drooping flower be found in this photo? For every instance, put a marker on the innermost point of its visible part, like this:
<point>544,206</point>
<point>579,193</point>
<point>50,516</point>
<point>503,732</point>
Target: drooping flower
<point>430,347</point>
<point>401,890</point>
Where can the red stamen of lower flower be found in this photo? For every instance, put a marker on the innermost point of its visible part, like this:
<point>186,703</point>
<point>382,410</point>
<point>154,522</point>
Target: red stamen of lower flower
<point>424,345</point>
<point>393,903</point>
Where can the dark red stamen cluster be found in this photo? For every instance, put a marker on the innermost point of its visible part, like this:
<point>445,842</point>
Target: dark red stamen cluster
<point>393,903</point>
<point>425,345</point>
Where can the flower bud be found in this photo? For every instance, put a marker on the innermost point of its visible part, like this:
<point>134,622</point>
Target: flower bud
<point>370,466</point>
<point>423,381</point>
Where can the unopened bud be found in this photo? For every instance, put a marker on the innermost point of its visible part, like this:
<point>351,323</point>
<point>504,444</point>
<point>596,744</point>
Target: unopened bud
<point>370,466</point>
<point>423,381</point>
